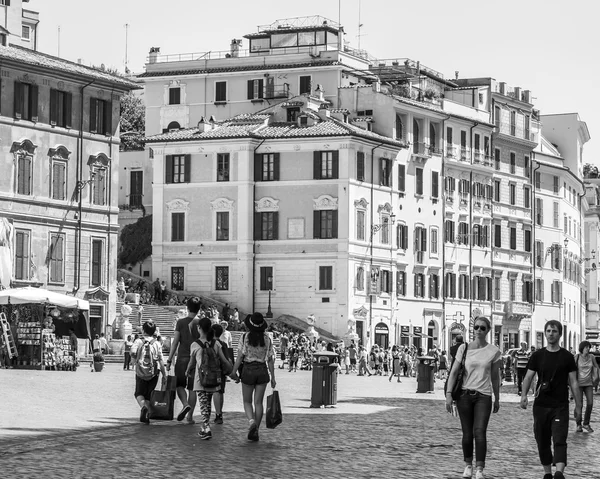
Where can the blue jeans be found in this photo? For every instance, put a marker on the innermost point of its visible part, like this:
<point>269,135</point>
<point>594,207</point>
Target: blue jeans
<point>551,425</point>
<point>474,410</point>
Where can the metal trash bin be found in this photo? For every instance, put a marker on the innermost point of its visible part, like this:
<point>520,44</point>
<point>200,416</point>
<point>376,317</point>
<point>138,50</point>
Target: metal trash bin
<point>425,372</point>
<point>324,379</point>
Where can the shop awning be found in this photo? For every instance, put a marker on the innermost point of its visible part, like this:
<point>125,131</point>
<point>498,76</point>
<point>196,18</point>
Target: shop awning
<point>41,296</point>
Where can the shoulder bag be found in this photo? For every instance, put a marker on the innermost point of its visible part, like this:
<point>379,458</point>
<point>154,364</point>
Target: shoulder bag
<point>456,392</point>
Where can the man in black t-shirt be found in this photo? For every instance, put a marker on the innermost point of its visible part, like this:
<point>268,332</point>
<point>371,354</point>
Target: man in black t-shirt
<point>556,371</point>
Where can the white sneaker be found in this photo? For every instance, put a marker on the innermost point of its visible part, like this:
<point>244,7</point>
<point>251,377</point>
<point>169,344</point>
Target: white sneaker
<point>468,472</point>
<point>479,474</point>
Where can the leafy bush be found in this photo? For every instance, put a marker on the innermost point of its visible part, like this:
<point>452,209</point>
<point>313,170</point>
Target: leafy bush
<point>136,242</point>
<point>98,358</point>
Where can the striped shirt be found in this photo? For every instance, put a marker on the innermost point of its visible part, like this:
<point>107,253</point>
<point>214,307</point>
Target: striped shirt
<point>522,358</point>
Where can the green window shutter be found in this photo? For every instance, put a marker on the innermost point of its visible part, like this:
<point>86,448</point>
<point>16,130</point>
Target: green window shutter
<point>317,165</point>
<point>68,110</point>
<point>250,89</point>
<point>336,164</point>
<point>261,86</point>
<point>108,118</point>
<point>33,102</point>
<point>275,166</point>
<point>18,103</point>
<point>93,115</point>
<point>276,225</point>
<point>169,169</point>
<point>187,168</point>
<point>257,226</point>
<point>316,224</point>
<point>53,106</point>
<point>258,167</point>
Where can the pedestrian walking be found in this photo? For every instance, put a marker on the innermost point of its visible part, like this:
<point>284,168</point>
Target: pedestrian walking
<point>206,365</point>
<point>521,360</point>
<point>256,353</point>
<point>481,378</point>
<point>219,396</point>
<point>149,362</point>
<point>444,366</point>
<point>395,363</point>
<point>182,341</point>
<point>556,371</point>
<point>103,344</point>
<point>127,356</point>
<point>96,344</point>
<point>587,375</point>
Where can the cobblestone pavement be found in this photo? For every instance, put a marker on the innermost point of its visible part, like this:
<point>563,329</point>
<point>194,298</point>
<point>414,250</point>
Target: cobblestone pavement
<point>82,425</point>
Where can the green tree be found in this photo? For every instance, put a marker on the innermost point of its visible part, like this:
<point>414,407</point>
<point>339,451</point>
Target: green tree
<point>133,122</point>
<point>136,242</point>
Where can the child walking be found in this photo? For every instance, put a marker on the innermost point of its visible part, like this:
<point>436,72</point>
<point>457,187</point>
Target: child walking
<point>204,389</point>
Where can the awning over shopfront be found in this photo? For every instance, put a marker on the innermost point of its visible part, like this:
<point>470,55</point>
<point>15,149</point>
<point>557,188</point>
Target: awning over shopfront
<point>39,296</point>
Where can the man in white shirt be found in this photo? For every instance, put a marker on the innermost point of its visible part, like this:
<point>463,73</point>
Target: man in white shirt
<point>226,336</point>
<point>103,344</point>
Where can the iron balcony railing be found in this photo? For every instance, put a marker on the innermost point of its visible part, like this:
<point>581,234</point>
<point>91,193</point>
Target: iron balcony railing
<point>135,200</point>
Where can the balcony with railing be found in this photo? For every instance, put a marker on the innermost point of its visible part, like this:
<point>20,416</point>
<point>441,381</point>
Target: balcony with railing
<point>421,151</point>
<point>515,131</point>
<point>464,153</point>
<point>135,200</point>
<point>450,151</point>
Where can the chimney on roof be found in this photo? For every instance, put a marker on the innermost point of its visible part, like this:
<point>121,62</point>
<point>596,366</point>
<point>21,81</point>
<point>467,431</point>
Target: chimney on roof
<point>527,96</point>
<point>204,125</point>
<point>341,39</point>
<point>324,113</point>
<point>376,86</point>
<point>235,47</point>
<point>153,55</point>
<point>517,92</point>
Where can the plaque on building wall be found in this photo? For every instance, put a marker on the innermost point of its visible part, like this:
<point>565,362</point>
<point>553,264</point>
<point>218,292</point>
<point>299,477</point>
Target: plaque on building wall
<point>295,228</point>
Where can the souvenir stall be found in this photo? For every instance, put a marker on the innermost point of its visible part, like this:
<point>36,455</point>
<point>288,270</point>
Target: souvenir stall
<point>39,323</point>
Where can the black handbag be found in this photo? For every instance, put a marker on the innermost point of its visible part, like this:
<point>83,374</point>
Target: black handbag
<point>456,392</point>
<point>274,416</point>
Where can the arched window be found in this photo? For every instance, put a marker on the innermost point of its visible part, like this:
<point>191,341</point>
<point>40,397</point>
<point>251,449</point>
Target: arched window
<point>173,126</point>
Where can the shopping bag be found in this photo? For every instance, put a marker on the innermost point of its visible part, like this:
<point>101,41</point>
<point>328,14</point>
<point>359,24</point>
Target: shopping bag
<point>274,415</point>
<point>163,400</point>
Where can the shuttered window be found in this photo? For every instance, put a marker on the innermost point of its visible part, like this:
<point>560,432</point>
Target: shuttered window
<point>174,96</point>
<point>360,279</point>
<point>385,173</point>
<point>177,226</point>
<point>325,278</point>
<point>96,269</point>
<point>402,178</point>
<point>56,255</point>
<point>59,170</point>
<point>400,283</point>
<point>360,166</point>
<point>24,175</point>
<point>61,109</point>
<point>221,91</point>
<point>22,255</point>
<point>255,89</point>
<point>266,278</point>
<point>100,116</point>
<point>222,225</point>
<point>99,187</point>
<point>25,101</point>
<point>435,184</point>
<point>419,181</point>
<point>266,225</point>
<point>325,224</point>
<point>305,85</point>
<point>325,165</point>
<point>266,167</point>
<point>223,167</point>
<point>178,169</point>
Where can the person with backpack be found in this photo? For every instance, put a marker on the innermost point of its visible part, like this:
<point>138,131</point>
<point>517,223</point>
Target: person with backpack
<point>149,362</point>
<point>256,352</point>
<point>219,396</point>
<point>206,366</point>
<point>182,341</point>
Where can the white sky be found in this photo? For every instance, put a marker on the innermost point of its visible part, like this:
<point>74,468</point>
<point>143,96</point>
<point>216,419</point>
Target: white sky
<point>546,46</point>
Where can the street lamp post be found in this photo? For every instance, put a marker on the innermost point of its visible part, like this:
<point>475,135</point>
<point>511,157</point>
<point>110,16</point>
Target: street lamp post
<point>269,312</point>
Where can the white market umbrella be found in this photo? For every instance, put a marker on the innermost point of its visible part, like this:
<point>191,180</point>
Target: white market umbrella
<point>39,295</point>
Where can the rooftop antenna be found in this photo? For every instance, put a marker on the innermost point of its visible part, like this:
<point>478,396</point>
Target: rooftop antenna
<point>360,25</point>
<point>58,55</point>
<point>126,47</point>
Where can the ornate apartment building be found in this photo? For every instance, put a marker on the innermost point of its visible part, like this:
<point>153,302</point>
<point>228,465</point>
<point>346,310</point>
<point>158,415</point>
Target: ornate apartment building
<point>60,155</point>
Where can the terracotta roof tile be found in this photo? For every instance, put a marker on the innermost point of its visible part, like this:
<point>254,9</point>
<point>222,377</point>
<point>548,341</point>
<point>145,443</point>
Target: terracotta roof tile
<point>33,58</point>
<point>233,68</point>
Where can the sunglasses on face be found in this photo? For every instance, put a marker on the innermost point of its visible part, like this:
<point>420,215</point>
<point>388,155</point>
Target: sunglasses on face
<point>477,326</point>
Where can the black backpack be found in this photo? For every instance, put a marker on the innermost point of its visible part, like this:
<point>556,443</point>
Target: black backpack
<point>210,369</point>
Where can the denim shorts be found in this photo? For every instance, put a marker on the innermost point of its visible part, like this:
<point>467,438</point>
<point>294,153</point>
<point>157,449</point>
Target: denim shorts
<point>255,373</point>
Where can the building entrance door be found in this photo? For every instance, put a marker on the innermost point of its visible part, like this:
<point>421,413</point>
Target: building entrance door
<point>382,335</point>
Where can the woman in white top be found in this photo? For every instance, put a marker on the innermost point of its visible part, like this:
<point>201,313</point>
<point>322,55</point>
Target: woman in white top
<point>586,370</point>
<point>481,377</point>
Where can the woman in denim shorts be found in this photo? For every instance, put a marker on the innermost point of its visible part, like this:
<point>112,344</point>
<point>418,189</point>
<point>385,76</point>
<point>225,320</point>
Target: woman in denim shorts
<point>255,352</point>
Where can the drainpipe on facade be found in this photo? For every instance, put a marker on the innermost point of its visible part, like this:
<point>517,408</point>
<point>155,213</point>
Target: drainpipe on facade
<point>79,176</point>
<point>372,234</point>
<point>110,150</point>
<point>253,240</point>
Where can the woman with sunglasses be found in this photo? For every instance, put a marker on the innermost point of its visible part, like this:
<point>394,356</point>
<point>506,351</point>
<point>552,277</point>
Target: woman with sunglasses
<point>481,377</point>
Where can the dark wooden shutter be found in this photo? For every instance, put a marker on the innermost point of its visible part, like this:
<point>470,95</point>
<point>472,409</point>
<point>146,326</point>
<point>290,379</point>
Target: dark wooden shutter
<point>275,166</point>
<point>107,118</point>
<point>7,3</point>
<point>261,86</point>
<point>334,226</point>
<point>96,262</point>
<point>257,226</point>
<point>434,184</point>
<point>258,167</point>
<point>33,102</point>
<point>187,168</point>
<point>316,224</point>
<point>276,225</point>
<point>68,110</point>
<point>405,237</point>
<point>93,115</point>
<point>169,169</point>
<point>250,89</point>
<point>401,178</point>
<point>423,239</point>
<point>53,106</point>
<point>18,104</point>
<point>317,165</point>
<point>336,164</point>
